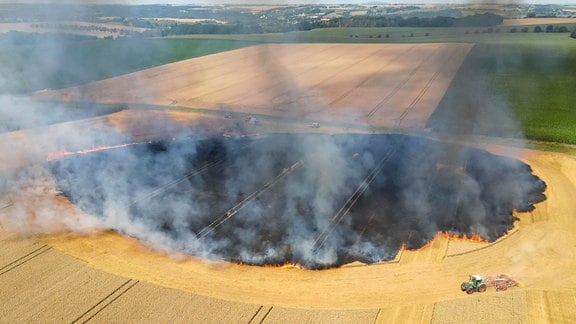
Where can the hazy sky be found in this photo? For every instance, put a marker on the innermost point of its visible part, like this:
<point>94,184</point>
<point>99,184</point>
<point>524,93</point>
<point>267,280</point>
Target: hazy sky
<point>208,2</point>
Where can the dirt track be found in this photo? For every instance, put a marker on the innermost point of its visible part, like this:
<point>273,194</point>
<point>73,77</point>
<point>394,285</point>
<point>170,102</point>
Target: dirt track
<point>127,280</point>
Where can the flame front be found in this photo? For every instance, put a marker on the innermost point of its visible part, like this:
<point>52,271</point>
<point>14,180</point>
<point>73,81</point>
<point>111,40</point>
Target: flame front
<point>63,154</point>
<point>475,237</point>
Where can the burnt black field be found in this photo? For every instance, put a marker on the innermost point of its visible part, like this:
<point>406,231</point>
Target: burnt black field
<point>316,200</point>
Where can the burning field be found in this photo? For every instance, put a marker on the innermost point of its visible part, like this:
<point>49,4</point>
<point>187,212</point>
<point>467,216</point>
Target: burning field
<point>133,187</point>
<point>310,199</point>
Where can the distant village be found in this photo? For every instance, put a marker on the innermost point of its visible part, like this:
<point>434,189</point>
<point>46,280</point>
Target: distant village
<point>114,21</point>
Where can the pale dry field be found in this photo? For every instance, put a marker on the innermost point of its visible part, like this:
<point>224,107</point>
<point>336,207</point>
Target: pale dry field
<point>104,277</point>
<point>393,85</point>
<point>187,20</point>
<point>538,21</point>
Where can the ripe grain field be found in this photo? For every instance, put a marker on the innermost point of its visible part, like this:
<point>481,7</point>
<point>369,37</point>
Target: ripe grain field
<point>380,85</point>
<point>122,275</point>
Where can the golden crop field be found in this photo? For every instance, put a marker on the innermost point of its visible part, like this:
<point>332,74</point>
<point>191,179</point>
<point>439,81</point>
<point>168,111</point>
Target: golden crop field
<point>376,85</point>
<point>103,277</point>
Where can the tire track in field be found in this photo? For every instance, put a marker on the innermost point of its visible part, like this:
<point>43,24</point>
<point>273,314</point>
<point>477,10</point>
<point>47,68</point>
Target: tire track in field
<point>261,314</point>
<point>352,66</point>
<point>22,260</point>
<point>371,76</point>
<point>257,93</point>
<point>425,89</point>
<point>246,79</point>
<point>183,75</point>
<point>398,87</point>
<point>106,301</point>
<point>328,77</point>
<point>6,205</point>
<point>343,211</point>
<point>232,211</point>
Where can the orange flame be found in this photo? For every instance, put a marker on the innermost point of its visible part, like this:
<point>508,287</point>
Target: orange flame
<point>287,265</point>
<point>62,154</point>
<point>475,237</point>
<point>276,266</point>
<point>450,236</point>
<point>403,246</point>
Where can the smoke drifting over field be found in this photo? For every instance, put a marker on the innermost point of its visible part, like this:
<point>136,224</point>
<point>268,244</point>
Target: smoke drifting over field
<point>316,200</point>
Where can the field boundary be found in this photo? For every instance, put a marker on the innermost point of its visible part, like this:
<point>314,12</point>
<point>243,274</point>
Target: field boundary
<point>488,245</point>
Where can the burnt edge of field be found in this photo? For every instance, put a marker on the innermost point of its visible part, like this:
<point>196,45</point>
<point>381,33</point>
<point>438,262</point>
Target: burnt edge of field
<point>310,199</point>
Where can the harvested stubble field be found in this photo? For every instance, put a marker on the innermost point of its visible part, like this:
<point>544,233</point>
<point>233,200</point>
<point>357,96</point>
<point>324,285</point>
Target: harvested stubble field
<point>48,275</point>
<point>538,21</point>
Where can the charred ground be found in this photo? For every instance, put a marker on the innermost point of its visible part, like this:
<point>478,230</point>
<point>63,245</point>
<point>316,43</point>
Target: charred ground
<point>312,199</point>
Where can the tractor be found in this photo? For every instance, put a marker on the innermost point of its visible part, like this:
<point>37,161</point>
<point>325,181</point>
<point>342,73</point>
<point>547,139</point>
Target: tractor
<point>476,283</point>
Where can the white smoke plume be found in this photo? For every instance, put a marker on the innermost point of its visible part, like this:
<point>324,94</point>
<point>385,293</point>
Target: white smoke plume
<point>318,200</point>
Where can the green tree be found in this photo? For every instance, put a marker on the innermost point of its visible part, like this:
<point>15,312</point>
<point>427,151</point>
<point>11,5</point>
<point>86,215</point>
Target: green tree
<point>537,29</point>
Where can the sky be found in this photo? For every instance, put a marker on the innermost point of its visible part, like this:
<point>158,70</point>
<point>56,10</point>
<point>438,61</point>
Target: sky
<point>214,2</point>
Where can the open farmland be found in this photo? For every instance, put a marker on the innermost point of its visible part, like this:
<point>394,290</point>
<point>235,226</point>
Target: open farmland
<point>125,273</point>
<point>99,30</point>
<point>75,62</point>
<point>516,88</point>
<point>538,21</point>
<point>376,85</point>
<point>418,286</point>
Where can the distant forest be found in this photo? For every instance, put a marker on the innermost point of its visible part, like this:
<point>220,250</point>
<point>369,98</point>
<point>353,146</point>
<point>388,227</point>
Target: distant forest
<point>478,20</point>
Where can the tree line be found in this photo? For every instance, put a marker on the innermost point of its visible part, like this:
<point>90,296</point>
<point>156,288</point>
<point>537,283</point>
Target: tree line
<point>538,29</point>
<point>479,20</point>
<point>75,27</point>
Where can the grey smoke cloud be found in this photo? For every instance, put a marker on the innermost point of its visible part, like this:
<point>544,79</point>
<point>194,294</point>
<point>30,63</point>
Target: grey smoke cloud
<point>317,200</point>
<point>269,199</point>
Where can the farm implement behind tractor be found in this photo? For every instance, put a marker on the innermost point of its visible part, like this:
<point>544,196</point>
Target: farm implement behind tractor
<point>479,284</point>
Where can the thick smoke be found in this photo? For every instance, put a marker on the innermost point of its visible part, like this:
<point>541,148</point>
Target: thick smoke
<point>316,200</point>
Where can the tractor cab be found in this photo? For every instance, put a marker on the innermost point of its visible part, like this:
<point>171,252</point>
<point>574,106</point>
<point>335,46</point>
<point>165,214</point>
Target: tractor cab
<point>476,278</point>
<point>475,284</point>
